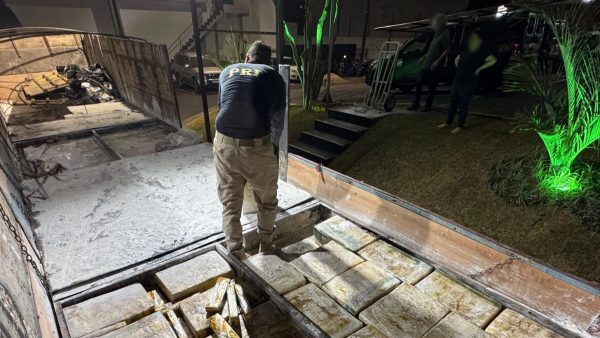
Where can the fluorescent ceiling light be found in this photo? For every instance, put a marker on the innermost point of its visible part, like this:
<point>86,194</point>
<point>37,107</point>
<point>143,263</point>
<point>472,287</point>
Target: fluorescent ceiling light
<point>502,10</point>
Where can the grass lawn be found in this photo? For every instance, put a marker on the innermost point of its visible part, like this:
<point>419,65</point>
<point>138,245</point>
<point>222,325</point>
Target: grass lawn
<point>409,157</point>
<point>196,122</point>
<point>300,120</point>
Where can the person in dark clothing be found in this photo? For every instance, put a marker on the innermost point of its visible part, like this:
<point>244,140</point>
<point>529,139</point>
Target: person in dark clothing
<point>252,101</point>
<point>469,64</point>
<point>432,62</point>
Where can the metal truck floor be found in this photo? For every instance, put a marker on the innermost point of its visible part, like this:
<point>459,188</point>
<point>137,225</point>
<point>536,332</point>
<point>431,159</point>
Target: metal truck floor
<point>28,126</point>
<point>99,219</point>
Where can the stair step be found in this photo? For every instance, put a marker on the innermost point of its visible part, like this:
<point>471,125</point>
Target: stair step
<point>311,152</point>
<point>349,114</point>
<point>339,128</point>
<point>325,140</point>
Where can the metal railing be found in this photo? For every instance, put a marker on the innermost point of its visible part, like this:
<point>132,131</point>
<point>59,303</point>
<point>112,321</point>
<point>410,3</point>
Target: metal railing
<point>180,40</point>
<point>211,11</point>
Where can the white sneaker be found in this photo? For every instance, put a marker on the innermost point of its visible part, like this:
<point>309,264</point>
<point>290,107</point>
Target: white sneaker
<point>457,130</point>
<point>443,125</point>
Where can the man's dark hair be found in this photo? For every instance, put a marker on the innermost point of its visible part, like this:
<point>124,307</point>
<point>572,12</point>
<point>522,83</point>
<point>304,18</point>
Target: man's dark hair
<point>260,52</point>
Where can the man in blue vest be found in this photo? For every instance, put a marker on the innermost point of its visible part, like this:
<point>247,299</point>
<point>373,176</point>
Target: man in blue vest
<point>252,102</point>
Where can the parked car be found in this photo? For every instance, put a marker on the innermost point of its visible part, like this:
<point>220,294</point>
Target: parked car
<point>185,70</point>
<point>407,69</point>
<point>287,60</point>
<point>294,75</point>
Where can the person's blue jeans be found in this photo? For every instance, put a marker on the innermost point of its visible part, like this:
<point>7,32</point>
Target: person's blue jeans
<point>460,99</point>
<point>428,78</point>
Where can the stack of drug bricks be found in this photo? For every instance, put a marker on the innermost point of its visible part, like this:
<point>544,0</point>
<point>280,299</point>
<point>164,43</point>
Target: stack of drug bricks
<point>25,88</point>
<point>44,83</point>
<point>351,283</point>
<point>201,298</point>
<point>230,296</point>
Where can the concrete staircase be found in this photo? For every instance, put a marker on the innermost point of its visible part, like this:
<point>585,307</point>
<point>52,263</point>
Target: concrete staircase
<point>334,134</point>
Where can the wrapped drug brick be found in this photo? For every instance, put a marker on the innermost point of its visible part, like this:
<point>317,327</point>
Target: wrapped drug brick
<point>218,295</point>
<point>220,327</point>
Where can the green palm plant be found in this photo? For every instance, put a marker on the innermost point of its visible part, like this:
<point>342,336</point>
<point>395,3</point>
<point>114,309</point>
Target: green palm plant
<point>311,69</point>
<point>233,52</point>
<point>567,115</point>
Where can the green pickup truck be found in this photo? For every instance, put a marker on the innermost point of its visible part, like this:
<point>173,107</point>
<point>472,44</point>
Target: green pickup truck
<point>408,66</point>
<point>505,37</point>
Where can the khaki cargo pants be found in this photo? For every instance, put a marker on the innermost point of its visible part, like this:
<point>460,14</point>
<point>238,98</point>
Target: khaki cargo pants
<point>246,161</point>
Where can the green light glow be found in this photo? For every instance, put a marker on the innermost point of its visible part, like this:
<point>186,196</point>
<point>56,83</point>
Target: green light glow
<point>337,11</point>
<point>560,185</point>
<point>288,35</point>
<point>321,23</point>
<point>310,71</point>
<point>568,119</point>
<point>299,61</point>
<point>567,143</point>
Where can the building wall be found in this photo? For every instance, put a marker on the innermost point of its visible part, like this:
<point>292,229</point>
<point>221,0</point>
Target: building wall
<point>372,45</point>
<point>351,19</point>
<point>51,16</point>
<point>163,25</point>
<point>86,15</point>
<point>255,16</point>
<point>158,27</point>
